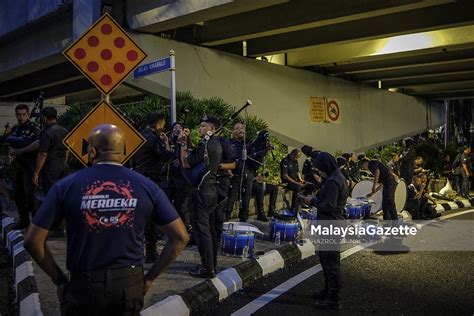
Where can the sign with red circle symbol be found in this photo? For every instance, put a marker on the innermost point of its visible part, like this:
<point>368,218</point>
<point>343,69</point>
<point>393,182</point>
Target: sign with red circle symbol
<point>105,54</point>
<point>333,111</point>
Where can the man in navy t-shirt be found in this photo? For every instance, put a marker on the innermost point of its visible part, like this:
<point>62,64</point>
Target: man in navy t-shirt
<point>105,208</point>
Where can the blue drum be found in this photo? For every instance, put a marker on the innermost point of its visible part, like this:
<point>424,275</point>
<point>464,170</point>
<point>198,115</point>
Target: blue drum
<point>366,207</point>
<point>288,229</point>
<point>354,211</point>
<point>233,243</point>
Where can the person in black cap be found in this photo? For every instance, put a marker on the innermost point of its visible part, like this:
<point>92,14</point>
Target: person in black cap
<point>51,162</point>
<point>330,201</point>
<point>206,159</point>
<point>172,181</point>
<point>149,161</point>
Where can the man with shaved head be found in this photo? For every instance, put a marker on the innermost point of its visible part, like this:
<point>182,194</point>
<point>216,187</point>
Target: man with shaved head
<point>105,208</point>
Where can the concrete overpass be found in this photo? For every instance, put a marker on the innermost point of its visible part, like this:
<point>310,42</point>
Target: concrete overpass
<point>338,49</point>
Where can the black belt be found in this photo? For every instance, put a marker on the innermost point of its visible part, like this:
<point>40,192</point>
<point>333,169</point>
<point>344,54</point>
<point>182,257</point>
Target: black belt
<point>110,274</point>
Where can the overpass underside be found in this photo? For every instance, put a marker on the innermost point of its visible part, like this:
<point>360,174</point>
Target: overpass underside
<point>421,49</point>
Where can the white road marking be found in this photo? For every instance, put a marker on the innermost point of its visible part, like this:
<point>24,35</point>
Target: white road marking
<point>266,298</point>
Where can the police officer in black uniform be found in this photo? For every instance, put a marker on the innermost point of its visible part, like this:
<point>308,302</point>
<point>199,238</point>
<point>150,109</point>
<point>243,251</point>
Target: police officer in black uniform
<point>149,162</point>
<point>383,177</point>
<point>23,140</point>
<point>172,181</point>
<point>244,174</point>
<point>330,201</point>
<point>51,164</point>
<point>206,157</point>
<point>290,174</point>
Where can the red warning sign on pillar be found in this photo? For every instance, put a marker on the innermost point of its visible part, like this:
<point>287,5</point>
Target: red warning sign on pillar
<point>333,111</point>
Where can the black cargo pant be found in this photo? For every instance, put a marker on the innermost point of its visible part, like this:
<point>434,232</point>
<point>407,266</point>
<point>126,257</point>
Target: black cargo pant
<point>52,172</point>
<point>203,218</point>
<point>259,193</point>
<point>240,189</point>
<point>223,188</point>
<point>464,184</point>
<point>104,292</point>
<point>388,200</point>
<point>330,258</point>
<point>295,189</point>
<point>151,229</point>
<point>179,193</point>
<point>24,189</point>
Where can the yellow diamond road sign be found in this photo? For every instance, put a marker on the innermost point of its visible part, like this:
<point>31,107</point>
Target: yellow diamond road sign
<point>105,54</point>
<point>102,113</point>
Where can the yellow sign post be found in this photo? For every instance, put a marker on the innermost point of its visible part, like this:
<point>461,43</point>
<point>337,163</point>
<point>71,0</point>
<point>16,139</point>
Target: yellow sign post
<point>106,55</point>
<point>76,140</point>
<point>317,109</point>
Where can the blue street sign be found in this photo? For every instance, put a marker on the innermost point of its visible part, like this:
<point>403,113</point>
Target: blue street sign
<point>159,65</point>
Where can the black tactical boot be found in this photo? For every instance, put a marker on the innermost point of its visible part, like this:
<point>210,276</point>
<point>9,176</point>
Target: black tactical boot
<point>331,302</point>
<point>320,295</point>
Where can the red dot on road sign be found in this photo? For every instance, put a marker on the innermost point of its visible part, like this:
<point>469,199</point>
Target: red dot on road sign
<point>92,66</point>
<point>79,53</point>
<point>106,54</point>
<point>132,55</point>
<point>106,29</point>
<point>106,80</point>
<point>93,41</point>
<point>119,42</point>
<point>119,68</point>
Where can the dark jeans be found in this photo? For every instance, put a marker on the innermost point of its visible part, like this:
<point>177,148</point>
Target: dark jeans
<point>203,218</point>
<point>106,292</point>
<point>24,189</point>
<point>240,188</point>
<point>272,190</point>
<point>388,200</point>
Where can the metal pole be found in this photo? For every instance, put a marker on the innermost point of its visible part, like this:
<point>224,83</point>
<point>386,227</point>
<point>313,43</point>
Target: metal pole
<point>173,88</point>
<point>446,123</point>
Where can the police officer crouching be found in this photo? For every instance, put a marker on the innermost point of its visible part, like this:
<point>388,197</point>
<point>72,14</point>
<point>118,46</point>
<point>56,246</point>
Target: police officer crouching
<point>207,156</point>
<point>330,201</point>
<point>106,207</point>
